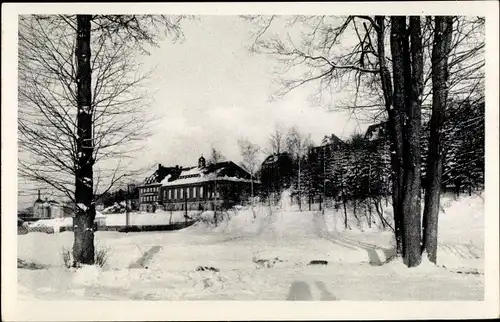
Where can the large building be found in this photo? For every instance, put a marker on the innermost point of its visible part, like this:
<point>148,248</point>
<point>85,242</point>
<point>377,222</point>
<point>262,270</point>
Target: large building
<point>201,187</point>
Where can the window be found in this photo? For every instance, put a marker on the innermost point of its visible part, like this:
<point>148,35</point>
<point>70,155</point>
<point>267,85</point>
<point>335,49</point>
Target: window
<point>175,193</point>
<point>182,193</point>
<point>195,192</point>
<point>187,192</point>
<point>201,192</point>
<point>169,193</point>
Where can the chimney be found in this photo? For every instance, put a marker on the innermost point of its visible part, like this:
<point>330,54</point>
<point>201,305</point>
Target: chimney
<point>159,166</point>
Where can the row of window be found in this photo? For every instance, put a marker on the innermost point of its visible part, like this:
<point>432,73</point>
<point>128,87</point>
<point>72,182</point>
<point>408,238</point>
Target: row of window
<point>149,189</point>
<point>180,194</point>
<point>148,199</point>
<point>185,193</point>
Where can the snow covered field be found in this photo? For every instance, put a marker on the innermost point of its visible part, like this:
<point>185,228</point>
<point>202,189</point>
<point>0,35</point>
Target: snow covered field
<point>266,258</point>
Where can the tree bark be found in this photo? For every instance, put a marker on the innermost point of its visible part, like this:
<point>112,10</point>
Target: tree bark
<point>393,126</point>
<point>395,111</point>
<point>83,247</point>
<point>440,53</point>
<point>412,182</point>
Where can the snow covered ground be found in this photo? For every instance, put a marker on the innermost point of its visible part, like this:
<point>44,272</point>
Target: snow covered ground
<point>266,258</point>
<point>135,218</point>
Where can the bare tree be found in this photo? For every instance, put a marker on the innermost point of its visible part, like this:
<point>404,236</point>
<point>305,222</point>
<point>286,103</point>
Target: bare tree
<point>277,140</point>
<point>81,103</point>
<point>348,54</point>
<point>440,72</point>
<point>249,153</point>
<point>298,144</point>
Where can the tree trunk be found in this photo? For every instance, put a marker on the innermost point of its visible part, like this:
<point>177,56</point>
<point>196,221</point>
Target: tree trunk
<point>252,195</point>
<point>300,195</point>
<point>343,198</point>
<point>394,131</point>
<point>83,247</point>
<point>369,196</point>
<point>215,203</point>
<point>345,212</point>
<point>440,53</point>
<point>412,183</point>
<point>396,112</point>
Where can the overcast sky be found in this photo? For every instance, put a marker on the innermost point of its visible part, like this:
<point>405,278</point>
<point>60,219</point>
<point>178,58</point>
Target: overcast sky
<point>209,91</point>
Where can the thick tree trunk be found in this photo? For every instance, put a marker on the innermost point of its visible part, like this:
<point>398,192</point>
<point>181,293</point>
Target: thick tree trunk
<point>83,247</point>
<point>440,53</point>
<point>396,112</point>
<point>412,182</point>
<point>394,130</point>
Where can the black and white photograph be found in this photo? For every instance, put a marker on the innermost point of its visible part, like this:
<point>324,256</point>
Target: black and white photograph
<point>158,153</point>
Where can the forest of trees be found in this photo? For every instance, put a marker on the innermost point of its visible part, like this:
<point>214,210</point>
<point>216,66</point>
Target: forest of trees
<point>422,76</point>
<point>358,171</point>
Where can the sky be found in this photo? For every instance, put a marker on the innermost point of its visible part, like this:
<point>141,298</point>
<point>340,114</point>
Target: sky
<point>209,90</point>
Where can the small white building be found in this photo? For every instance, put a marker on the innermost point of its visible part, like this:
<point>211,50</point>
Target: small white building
<point>49,209</point>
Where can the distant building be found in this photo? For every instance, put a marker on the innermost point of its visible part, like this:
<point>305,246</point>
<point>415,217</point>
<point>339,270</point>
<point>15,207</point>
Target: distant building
<point>276,173</point>
<point>201,187</point>
<point>50,209</point>
<point>378,131</point>
<point>38,207</point>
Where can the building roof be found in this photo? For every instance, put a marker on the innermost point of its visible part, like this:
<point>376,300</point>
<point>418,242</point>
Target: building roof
<point>160,174</point>
<point>376,131</point>
<point>222,171</point>
<point>275,158</point>
<point>49,203</point>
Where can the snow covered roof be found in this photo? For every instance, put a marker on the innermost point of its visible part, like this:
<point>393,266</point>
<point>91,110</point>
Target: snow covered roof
<point>212,172</point>
<point>188,180</point>
<point>49,203</point>
<point>376,131</point>
<point>191,171</point>
<point>160,174</point>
